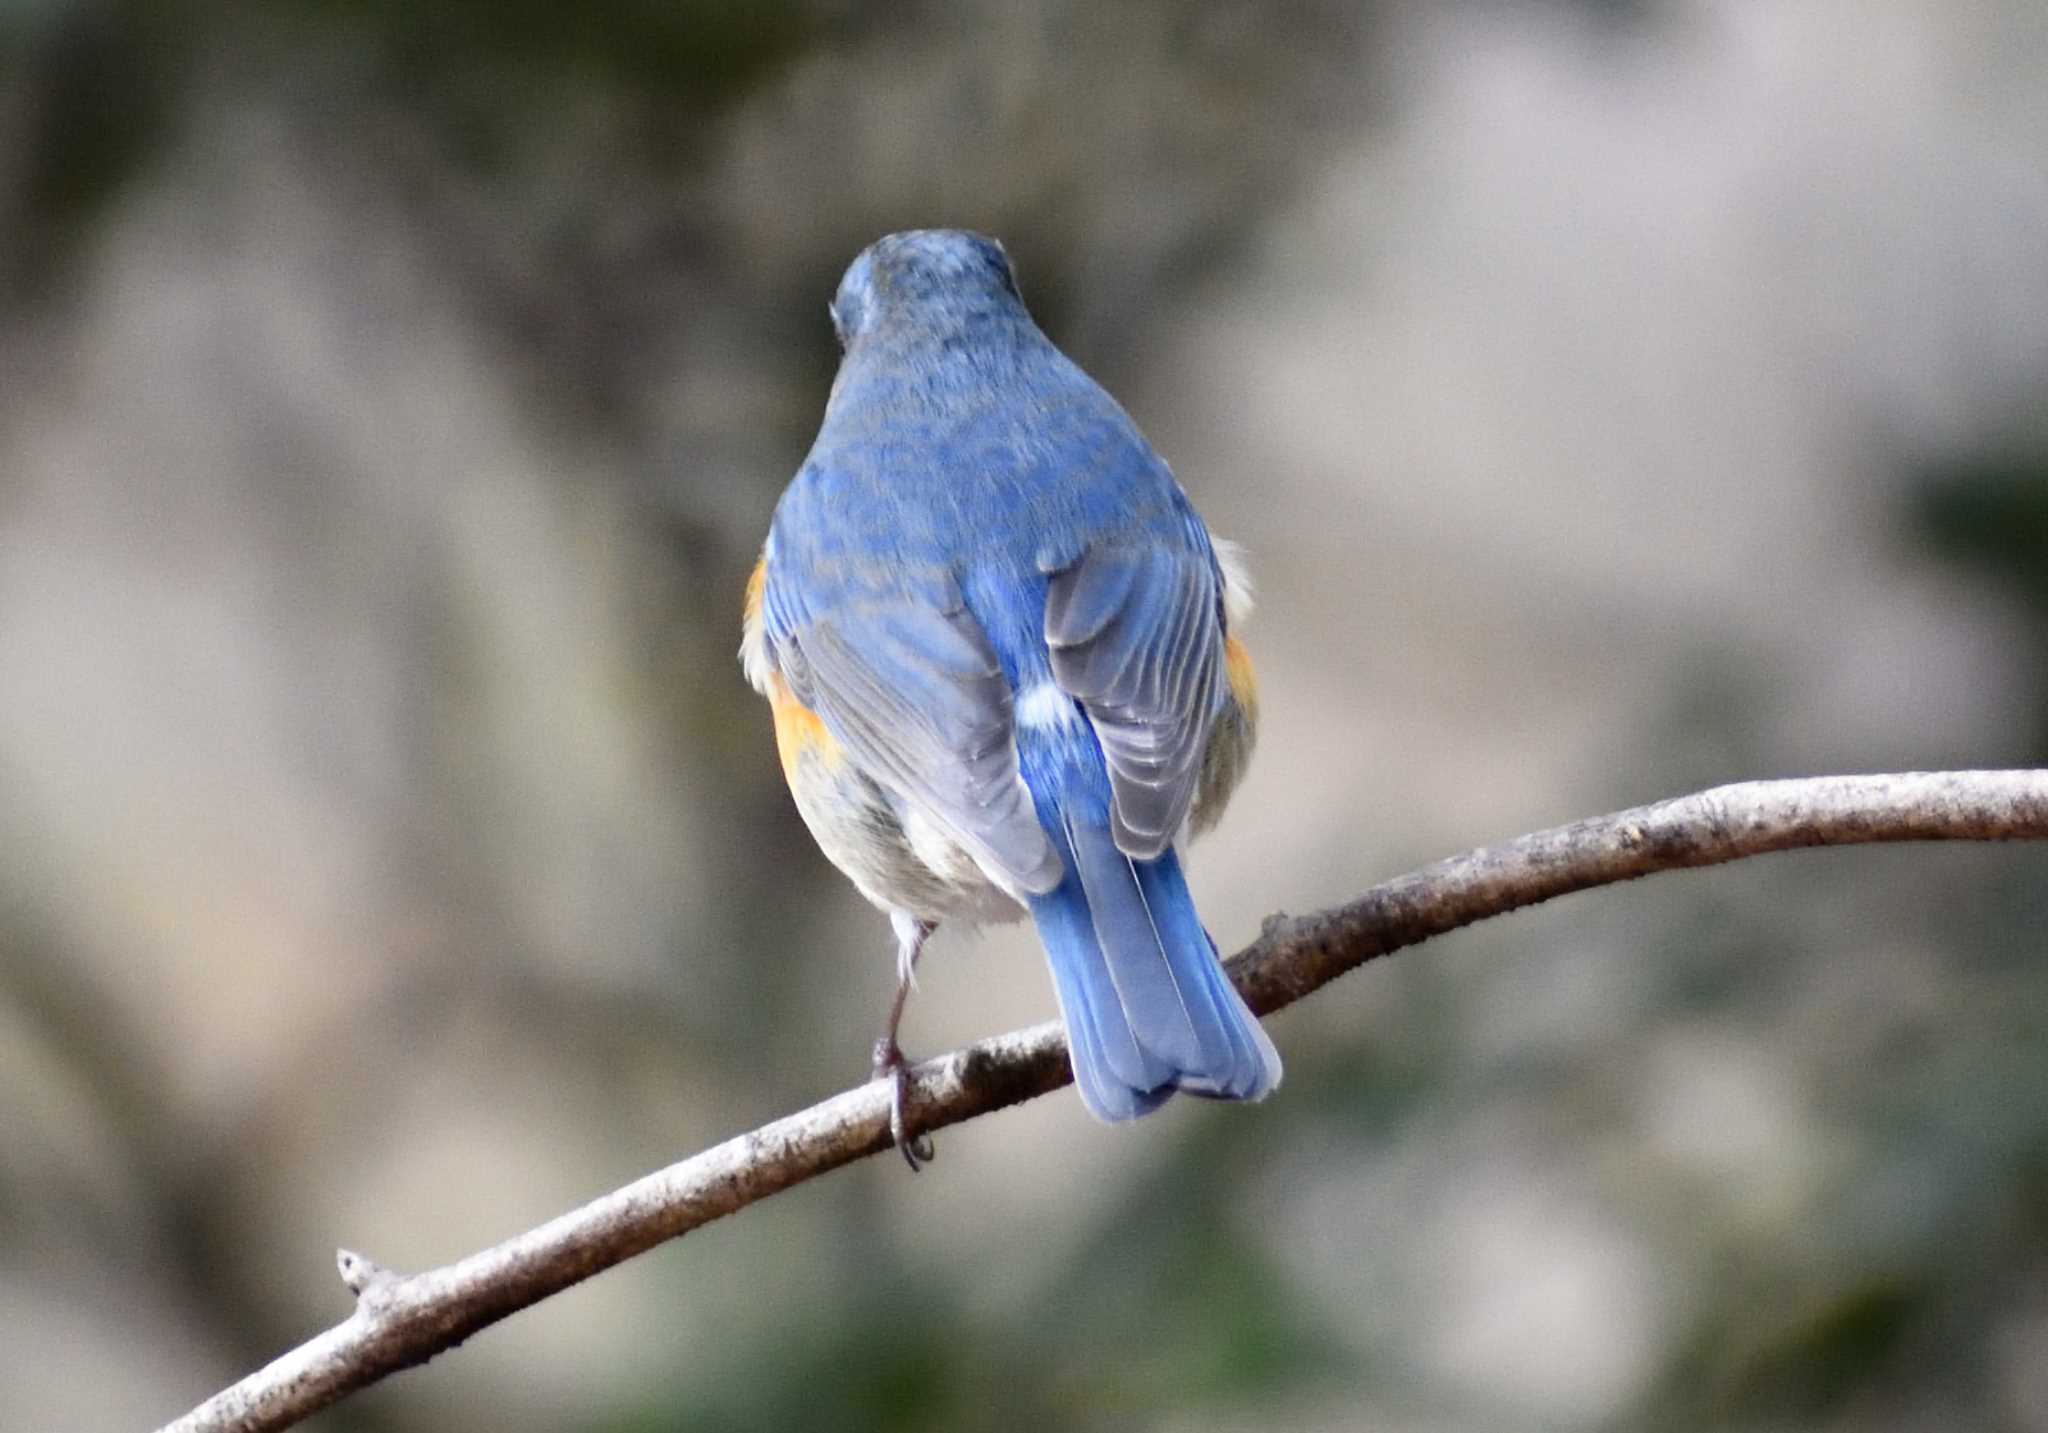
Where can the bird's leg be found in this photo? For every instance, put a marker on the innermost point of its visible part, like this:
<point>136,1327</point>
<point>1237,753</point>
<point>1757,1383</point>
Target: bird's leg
<point>911,934</point>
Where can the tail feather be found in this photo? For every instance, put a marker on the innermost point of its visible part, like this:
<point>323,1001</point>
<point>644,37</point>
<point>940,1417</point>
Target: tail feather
<point>1147,1004</point>
<point>1116,1079</point>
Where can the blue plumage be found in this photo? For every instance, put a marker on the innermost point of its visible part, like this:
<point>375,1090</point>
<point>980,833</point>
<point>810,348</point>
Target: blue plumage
<point>1147,1005</point>
<point>996,635</point>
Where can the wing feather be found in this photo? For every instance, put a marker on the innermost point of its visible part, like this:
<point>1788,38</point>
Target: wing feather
<point>1136,636</point>
<point>913,692</point>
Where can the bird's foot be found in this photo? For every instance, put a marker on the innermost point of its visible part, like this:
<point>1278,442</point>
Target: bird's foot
<point>891,1066</point>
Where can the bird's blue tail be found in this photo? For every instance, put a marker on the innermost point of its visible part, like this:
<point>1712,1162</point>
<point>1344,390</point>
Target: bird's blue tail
<point>1147,1005</point>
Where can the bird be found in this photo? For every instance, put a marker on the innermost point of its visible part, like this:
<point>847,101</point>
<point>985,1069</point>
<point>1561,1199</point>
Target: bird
<point>1000,651</point>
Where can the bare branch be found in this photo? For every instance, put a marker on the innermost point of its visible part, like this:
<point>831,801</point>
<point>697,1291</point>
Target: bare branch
<point>402,1320</point>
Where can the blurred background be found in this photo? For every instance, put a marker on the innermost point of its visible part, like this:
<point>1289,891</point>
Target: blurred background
<point>1615,398</point>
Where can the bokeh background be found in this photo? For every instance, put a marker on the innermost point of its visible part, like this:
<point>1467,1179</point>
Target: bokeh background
<point>1615,398</point>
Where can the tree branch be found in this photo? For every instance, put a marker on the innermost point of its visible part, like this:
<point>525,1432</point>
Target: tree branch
<point>401,1320</point>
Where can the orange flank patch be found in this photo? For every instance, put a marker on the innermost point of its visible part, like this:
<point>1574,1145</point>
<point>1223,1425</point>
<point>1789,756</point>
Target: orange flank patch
<point>756,581</point>
<point>1244,683</point>
<point>799,732</point>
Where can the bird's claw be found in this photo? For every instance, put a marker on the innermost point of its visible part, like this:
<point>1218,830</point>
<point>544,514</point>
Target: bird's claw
<point>890,1065</point>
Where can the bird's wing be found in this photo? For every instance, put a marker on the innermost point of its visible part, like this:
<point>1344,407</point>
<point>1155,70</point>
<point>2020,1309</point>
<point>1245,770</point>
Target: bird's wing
<point>908,684</point>
<point>1137,638</point>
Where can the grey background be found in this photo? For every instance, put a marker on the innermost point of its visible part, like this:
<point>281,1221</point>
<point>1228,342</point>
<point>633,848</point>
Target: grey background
<point>1614,399</point>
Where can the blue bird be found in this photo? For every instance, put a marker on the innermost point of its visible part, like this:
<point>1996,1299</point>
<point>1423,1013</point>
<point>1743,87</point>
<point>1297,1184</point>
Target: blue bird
<point>996,640</point>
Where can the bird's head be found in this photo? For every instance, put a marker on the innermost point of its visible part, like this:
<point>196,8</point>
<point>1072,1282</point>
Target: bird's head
<point>924,282</point>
